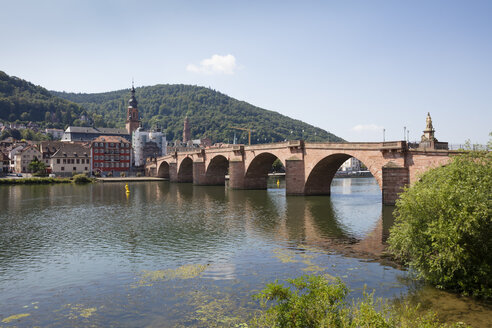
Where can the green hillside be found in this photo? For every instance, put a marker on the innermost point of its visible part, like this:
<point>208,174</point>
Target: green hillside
<point>23,101</point>
<point>211,113</point>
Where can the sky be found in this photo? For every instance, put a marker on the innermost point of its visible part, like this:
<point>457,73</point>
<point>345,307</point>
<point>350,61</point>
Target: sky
<point>363,70</point>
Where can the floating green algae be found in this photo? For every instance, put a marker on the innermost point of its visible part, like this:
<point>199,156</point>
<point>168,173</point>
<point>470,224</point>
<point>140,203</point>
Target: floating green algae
<point>78,310</point>
<point>189,271</point>
<point>285,256</point>
<point>15,317</point>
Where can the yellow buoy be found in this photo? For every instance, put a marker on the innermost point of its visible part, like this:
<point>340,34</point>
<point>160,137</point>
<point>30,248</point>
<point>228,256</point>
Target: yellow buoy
<point>278,183</point>
<point>127,189</point>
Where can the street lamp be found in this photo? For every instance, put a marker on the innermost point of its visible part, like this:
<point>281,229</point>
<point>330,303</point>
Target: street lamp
<point>384,132</point>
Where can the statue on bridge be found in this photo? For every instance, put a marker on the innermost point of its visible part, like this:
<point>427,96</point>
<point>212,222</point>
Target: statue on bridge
<point>429,130</point>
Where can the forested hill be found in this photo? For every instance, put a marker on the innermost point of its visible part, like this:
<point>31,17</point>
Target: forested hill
<point>24,101</point>
<point>211,114</point>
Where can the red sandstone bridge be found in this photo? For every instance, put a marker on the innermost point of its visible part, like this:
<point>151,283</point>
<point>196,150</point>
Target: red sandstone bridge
<point>309,167</point>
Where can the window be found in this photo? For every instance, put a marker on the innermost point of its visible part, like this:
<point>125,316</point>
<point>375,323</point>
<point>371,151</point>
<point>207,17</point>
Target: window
<point>78,161</point>
<point>74,168</point>
<point>96,164</point>
<point>63,168</point>
<point>64,161</point>
<point>85,168</point>
<point>57,161</point>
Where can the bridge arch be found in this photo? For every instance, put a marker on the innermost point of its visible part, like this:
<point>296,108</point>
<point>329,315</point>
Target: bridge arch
<point>163,170</point>
<point>217,170</point>
<point>320,177</point>
<point>256,175</point>
<point>185,171</point>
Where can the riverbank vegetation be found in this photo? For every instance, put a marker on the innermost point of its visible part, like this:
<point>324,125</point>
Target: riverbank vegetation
<point>443,225</point>
<point>79,178</point>
<point>13,181</point>
<point>318,301</point>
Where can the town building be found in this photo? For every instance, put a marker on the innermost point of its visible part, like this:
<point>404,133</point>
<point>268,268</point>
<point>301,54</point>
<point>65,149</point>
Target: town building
<point>48,149</point>
<point>25,156</point>
<point>4,163</point>
<point>71,159</point>
<point>147,144</point>
<point>79,133</point>
<point>111,155</point>
<point>351,165</point>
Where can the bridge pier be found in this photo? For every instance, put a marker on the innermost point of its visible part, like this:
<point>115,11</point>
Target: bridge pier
<point>395,178</point>
<point>236,174</point>
<point>294,176</point>
<point>199,176</point>
<point>173,172</point>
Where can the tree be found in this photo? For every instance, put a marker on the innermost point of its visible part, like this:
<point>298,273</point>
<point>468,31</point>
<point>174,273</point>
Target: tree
<point>36,167</point>
<point>277,166</point>
<point>15,134</point>
<point>5,134</point>
<point>443,225</point>
<point>24,116</point>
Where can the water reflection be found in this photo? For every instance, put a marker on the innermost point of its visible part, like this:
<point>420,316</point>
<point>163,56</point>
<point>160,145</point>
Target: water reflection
<point>68,244</point>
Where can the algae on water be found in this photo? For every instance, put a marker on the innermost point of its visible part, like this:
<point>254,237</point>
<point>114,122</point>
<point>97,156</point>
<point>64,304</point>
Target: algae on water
<point>15,317</point>
<point>183,272</point>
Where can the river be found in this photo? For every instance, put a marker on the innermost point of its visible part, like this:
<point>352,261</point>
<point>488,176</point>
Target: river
<point>178,255</point>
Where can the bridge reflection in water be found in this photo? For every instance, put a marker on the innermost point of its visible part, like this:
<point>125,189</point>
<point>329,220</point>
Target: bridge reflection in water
<point>352,221</point>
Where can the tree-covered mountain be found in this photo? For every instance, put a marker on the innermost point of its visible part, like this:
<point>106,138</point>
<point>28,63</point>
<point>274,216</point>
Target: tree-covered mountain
<point>211,114</point>
<point>21,100</point>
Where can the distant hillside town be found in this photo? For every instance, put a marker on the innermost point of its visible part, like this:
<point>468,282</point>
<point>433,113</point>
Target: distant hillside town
<point>90,150</point>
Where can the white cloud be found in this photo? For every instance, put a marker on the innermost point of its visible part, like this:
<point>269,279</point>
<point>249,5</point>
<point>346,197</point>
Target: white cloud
<point>367,128</point>
<point>216,64</point>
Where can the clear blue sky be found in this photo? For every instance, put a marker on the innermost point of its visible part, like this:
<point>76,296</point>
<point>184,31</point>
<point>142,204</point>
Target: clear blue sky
<point>350,67</point>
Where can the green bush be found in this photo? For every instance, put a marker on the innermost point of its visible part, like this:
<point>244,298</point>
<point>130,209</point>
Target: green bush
<point>443,225</point>
<point>314,302</point>
<point>81,178</point>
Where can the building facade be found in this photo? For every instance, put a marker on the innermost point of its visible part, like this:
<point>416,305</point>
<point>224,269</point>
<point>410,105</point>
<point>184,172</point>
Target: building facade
<point>111,155</point>
<point>71,159</point>
<point>48,149</point>
<point>148,144</point>
<point>4,163</point>
<point>24,157</point>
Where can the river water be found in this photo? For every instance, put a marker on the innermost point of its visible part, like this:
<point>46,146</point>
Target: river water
<point>178,255</point>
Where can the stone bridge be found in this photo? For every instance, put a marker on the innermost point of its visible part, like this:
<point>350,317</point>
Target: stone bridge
<point>310,167</point>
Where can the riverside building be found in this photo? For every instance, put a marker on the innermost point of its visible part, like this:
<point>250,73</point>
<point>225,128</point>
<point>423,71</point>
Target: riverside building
<point>111,156</point>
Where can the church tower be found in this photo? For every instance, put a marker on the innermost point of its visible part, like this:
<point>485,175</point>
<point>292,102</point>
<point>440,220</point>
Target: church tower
<point>132,121</point>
